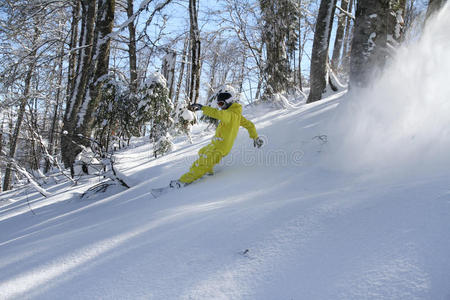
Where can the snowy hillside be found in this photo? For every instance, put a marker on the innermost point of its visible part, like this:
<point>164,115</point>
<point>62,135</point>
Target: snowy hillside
<point>349,199</point>
<point>271,224</point>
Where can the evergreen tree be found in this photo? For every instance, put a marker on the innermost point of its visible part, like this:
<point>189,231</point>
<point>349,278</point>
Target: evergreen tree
<point>184,119</point>
<point>116,113</point>
<point>156,107</point>
<point>109,113</point>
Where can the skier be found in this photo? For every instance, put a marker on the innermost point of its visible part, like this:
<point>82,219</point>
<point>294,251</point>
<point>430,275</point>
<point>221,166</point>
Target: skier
<point>230,116</point>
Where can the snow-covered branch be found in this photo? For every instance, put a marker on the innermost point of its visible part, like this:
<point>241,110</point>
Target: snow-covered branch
<point>26,174</point>
<point>348,14</point>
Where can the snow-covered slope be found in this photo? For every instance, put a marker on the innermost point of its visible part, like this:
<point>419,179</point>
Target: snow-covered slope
<point>293,220</point>
<point>270,224</point>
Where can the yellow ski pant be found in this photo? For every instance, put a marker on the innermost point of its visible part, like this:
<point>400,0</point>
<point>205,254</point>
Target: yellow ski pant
<point>209,156</point>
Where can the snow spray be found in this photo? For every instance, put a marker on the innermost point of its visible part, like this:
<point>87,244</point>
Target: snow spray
<point>401,123</point>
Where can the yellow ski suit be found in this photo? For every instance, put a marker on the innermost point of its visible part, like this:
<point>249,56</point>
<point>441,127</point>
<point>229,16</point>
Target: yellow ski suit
<point>221,144</point>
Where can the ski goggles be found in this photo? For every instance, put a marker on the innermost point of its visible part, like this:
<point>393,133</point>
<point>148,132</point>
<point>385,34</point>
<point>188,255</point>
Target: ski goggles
<point>222,97</point>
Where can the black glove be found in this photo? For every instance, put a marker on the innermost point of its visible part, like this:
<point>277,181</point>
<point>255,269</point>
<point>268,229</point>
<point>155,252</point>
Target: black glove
<point>258,142</point>
<point>195,107</point>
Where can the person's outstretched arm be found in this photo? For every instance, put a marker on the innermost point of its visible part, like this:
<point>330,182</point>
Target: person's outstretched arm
<point>222,115</point>
<point>250,127</point>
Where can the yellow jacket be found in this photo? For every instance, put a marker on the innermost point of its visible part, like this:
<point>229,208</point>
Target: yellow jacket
<point>230,120</point>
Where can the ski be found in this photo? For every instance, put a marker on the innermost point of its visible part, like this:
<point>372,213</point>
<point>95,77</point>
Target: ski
<point>164,190</point>
<point>160,191</point>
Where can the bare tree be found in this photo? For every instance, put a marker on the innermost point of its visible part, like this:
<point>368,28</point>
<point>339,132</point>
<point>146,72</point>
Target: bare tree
<point>93,61</point>
<point>319,56</point>
<point>347,41</point>
<point>194,84</point>
<point>245,21</point>
<point>132,48</point>
<point>31,65</point>
<point>377,31</point>
<point>59,66</point>
<point>335,59</point>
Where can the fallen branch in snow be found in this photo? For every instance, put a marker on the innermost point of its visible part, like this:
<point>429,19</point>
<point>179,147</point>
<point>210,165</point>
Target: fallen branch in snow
<point>51,159</point>
<point>106,160</point>
<point>27,175</point>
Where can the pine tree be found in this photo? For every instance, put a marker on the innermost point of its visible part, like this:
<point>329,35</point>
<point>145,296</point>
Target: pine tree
<point>109,113</point>
<point>184,119</point>
<point>156,107</point>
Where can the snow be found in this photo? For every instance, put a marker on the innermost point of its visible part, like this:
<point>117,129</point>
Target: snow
<point>156,78</point>
<point>188,115</point>
<point>371,42</point>
<point>402,121</point>
<point>309,232</point>
<point>311,215</point>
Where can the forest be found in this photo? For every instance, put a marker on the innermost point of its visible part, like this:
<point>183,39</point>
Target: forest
<point>80,78</point>
<point>229,149</point>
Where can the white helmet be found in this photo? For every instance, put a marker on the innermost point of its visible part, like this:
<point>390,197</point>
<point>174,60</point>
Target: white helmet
<point>226,95</point>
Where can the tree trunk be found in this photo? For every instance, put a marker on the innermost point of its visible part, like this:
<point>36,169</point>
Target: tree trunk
<point>260,79</point>
<point>347,41</point>
<point>168,70</point>
<point>69,140</point>
<point>51,146</point>
<point>368,53</point>
<point>195,52</point>
<point>433,7</point>
<point>132,49</point>
<point>300,49</point>
<point>93,65</point>
<point>319,56</point>
<point>31,122</point>
<point>242,72</point>
<point>335,60</point>
<point>180,76</point>
<point>187,83</point>
<point>1,145</point>
<point>277,69</point>
<point>20,115</point>
<point>72,45</point>
<point>26,94</point>
<point>212,76</point>
<point>101,54</point>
